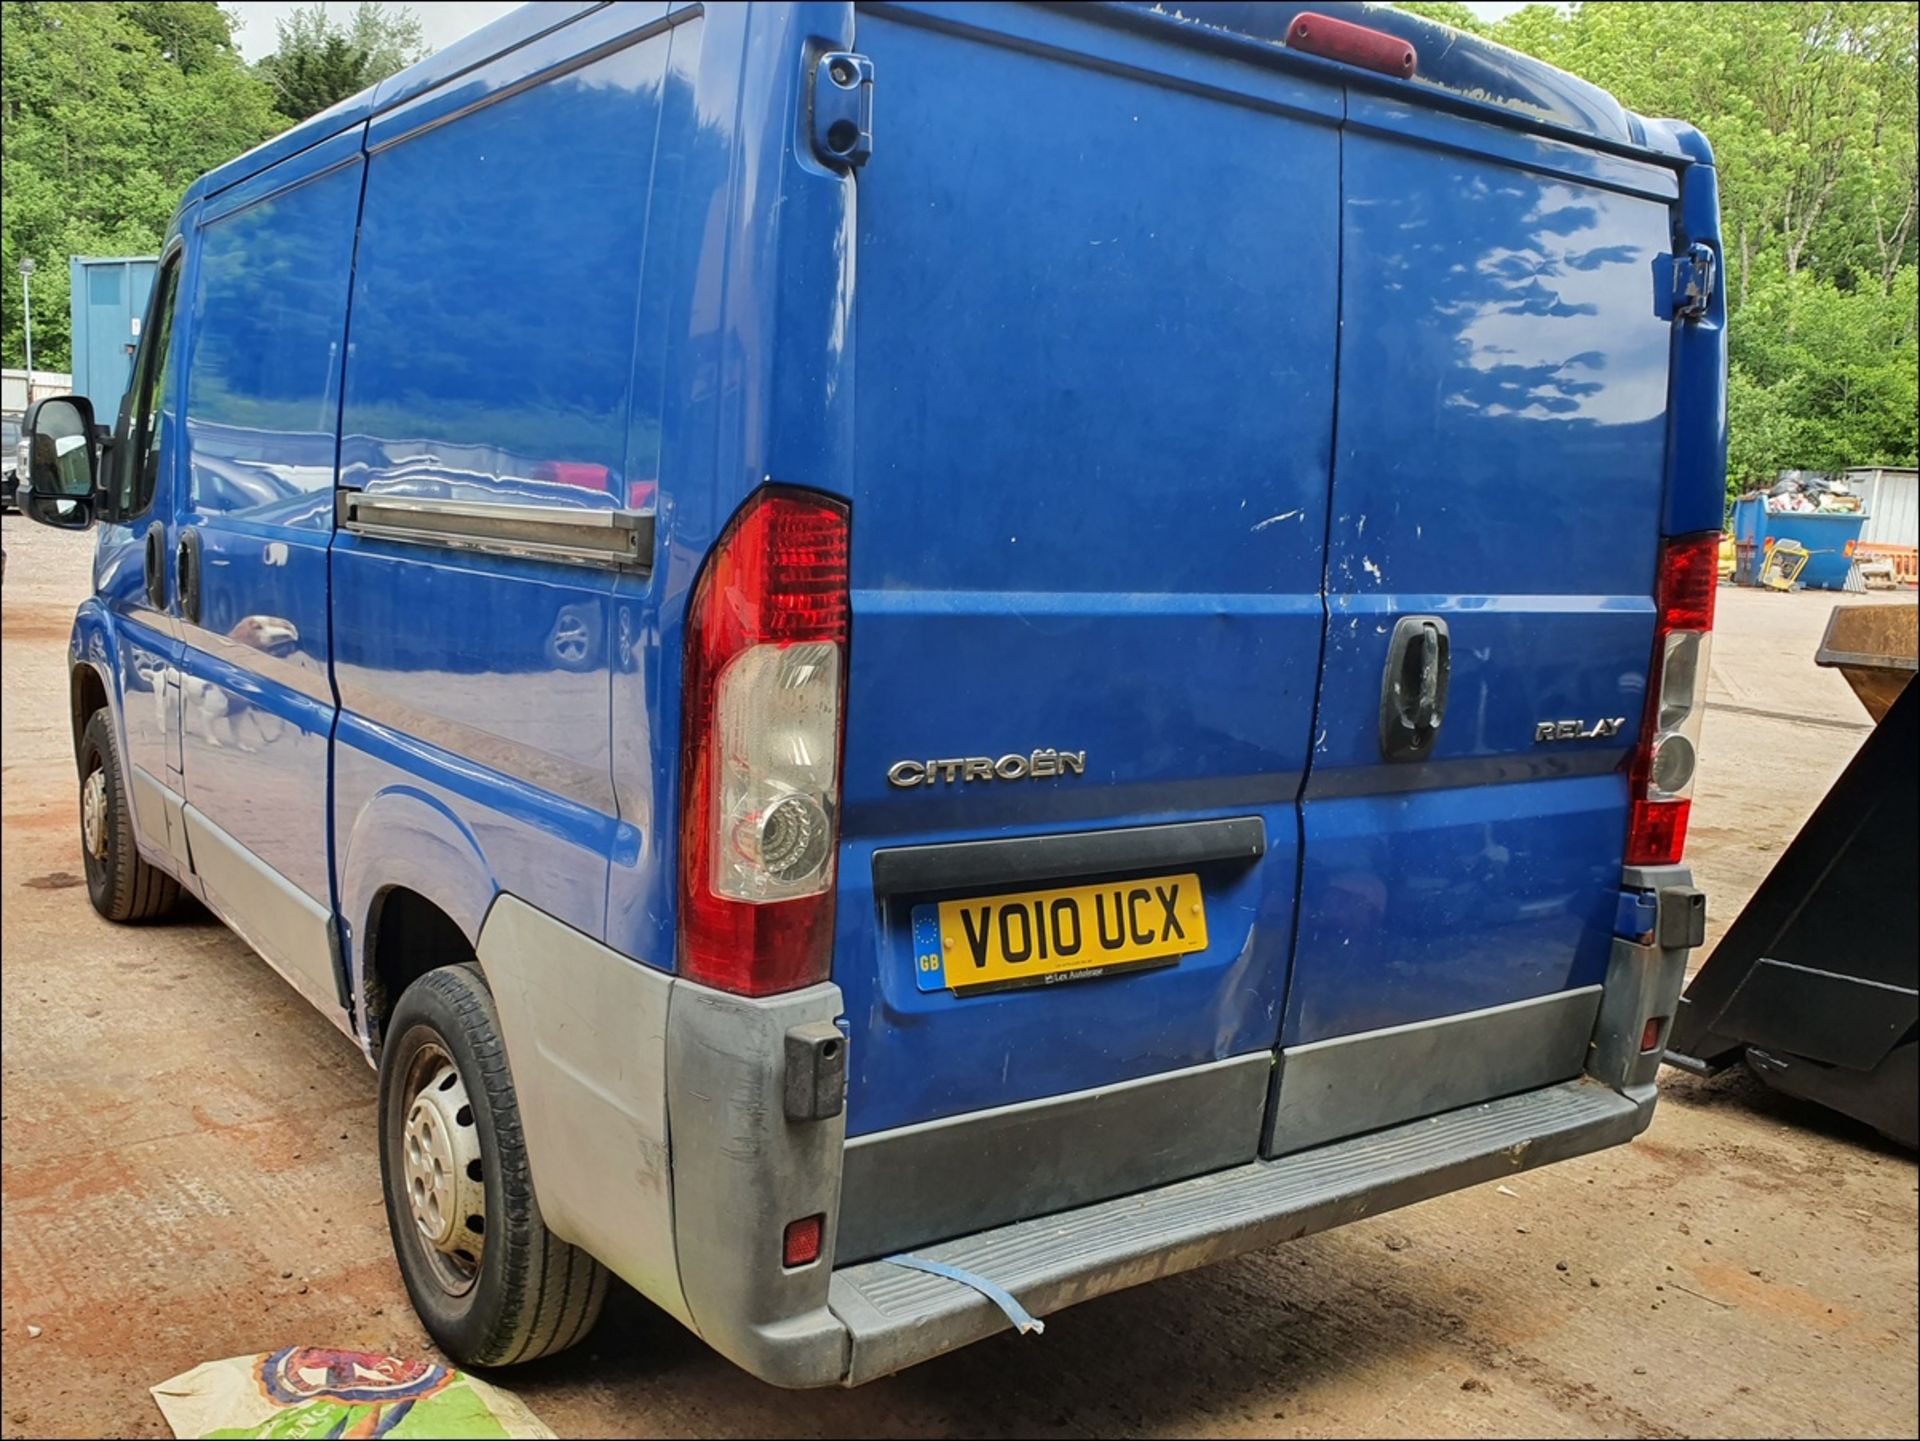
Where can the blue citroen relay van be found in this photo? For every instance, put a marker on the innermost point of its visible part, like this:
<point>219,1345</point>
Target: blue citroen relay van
<point>902,664</point>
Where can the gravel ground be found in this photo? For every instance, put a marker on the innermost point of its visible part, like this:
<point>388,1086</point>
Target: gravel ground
<point>189,1173</point>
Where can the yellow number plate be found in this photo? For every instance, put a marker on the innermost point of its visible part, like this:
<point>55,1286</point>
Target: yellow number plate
<point>1038,937</point>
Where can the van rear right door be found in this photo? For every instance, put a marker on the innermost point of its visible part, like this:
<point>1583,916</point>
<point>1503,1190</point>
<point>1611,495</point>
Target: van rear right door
<point>1498,470</point>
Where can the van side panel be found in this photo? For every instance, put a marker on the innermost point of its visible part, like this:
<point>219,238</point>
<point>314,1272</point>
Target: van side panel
<point>670,444</point>
<point>493,316</point>
<point>743,373</point>
<point>1499,464</point>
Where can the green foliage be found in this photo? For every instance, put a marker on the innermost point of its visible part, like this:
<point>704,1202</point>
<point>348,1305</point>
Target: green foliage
<point>317,64</point>
<point>1825,375</point>
<point>1810,106</point>
<point>110,108</point>
<point>110,111</point>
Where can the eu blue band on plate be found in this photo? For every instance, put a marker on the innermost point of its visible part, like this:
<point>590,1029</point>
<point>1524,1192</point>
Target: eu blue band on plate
<point>929,961</point>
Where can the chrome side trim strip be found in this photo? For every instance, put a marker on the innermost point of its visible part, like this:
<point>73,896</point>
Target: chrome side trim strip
<point>546,532</point>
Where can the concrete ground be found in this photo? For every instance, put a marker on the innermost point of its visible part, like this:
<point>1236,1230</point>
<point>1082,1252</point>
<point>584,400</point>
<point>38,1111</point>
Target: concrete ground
<point>189,1173</point>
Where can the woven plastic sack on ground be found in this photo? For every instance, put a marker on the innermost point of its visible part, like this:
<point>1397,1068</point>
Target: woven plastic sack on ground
<point>314,1391</point>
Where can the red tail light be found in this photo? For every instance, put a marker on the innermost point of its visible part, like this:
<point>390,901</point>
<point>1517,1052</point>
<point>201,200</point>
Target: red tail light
<point>1668,754</point>
<point>760,755</point>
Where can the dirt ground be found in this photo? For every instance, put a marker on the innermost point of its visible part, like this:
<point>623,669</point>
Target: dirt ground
<point>190,1173</point>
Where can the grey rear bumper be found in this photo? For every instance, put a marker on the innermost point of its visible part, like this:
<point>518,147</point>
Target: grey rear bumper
<point>875,1317</point>
<point>896,1317</point>
<point>665,1148</point>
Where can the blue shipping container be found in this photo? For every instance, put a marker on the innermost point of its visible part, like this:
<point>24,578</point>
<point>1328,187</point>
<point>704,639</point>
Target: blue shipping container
<point>109,298</point>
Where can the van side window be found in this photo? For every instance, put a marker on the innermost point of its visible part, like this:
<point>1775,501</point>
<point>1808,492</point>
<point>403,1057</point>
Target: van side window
<point>504,372</point>
<point>263,379</point>
<point>141,472</point>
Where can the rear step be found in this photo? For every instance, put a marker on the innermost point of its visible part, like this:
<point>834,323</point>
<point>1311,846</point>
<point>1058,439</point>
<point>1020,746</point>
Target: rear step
<point>898,1317</point>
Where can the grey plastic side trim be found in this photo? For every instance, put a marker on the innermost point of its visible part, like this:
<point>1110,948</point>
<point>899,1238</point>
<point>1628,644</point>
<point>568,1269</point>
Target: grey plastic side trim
<point>741,1172</point>
<point>1083,853</point>
<point>158,812</point>
<point>273,915</point>
<point>549,532</point>
<point>1654,878</point>
<point>1342,1087</point>
<point>1642,982</point>
<point>586,1035</point>
<point>947,1178</point>
<point>898,1317</point>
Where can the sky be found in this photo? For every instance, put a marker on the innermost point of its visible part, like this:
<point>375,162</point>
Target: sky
<point>444,21</point>
<point>441,21</point>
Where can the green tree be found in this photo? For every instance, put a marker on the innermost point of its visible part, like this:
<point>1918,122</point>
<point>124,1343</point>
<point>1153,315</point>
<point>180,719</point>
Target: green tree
<point>1810,106</point>
<point>317,63</point>
<point>110,110</point>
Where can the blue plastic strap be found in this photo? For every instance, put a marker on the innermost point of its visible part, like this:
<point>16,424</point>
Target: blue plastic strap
<point>1023,1320</point>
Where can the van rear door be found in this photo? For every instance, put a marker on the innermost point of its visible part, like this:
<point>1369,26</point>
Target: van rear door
<point>1498,471</point>
<point>1095,331</point>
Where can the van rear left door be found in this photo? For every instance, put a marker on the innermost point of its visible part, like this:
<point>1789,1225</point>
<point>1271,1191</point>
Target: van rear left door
<point>1094,328</point>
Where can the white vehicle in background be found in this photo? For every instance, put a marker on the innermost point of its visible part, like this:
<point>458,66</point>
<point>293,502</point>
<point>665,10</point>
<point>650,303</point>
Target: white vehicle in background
<point>9,445</point>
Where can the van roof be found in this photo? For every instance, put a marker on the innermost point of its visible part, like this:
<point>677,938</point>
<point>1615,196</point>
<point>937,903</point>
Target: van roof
<point>1457,70</point>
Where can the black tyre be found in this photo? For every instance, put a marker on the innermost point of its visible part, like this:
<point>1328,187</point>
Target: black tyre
<point>491,1283</point>
<point>121,885</point>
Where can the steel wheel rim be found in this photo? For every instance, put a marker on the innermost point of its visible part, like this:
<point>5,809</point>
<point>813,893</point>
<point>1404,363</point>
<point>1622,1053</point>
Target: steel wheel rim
<point>442,1171</point>
<point>93,813</point>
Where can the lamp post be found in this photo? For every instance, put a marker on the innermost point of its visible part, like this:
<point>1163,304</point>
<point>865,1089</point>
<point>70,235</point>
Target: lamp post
<point>26,298</point>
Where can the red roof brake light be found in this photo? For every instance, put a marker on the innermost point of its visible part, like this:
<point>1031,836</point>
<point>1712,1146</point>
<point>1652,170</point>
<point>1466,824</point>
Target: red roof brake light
<point>1352,44</point>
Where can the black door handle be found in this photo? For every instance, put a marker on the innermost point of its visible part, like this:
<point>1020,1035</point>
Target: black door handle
<point>156,565</point>
<point>188,563</point>
<point>1413,689</point>
<point>1429,698</point>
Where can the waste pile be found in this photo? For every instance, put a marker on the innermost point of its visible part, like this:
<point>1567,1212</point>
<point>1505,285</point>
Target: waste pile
<point>1808,492</point>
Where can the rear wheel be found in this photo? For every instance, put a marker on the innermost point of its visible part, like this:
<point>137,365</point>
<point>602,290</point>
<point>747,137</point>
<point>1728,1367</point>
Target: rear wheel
<point>491,1283</point>
<point>121,886</point>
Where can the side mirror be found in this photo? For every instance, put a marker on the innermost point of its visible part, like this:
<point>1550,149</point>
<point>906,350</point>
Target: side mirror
<point>59,461</point>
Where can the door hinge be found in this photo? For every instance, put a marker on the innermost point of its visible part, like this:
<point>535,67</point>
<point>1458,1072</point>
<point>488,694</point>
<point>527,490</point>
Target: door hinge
<point>843,108</point>
<point>1694,274</point>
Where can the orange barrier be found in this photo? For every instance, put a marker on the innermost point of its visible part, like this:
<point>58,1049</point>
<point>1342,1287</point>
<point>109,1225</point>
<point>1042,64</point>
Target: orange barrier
<point>1905,559</point>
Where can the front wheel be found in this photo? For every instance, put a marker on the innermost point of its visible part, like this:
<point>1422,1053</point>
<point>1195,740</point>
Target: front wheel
<point>490,1282</point>
<point>121,886</point>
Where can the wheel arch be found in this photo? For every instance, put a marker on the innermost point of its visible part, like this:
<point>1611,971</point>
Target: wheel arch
<point>91,654</point>
<point>414,889</point>
<point>88,695</point>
